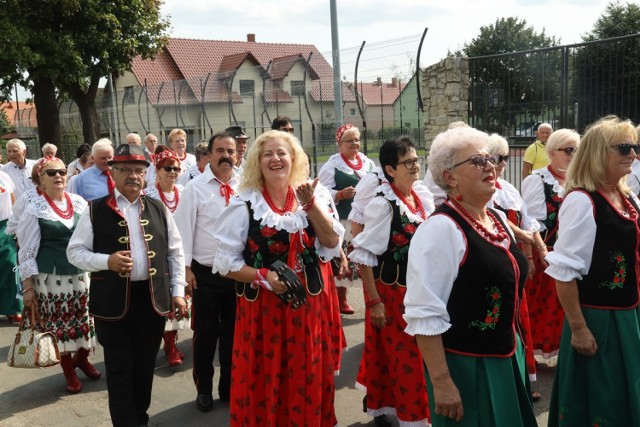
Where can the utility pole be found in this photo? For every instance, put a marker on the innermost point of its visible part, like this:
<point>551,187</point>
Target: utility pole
<point>337,75</point>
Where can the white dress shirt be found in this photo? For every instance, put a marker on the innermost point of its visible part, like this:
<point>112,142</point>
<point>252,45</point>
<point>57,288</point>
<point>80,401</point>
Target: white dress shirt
<point>200,207</point>
<point>80,249</point>
<point>6,189</point>
<point>533,194</point>
<point>21,177</point>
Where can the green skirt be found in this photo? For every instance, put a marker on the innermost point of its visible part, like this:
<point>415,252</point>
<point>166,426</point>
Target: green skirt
<point>493,391</point>
<point>603,390</point>
<point>9,282</point>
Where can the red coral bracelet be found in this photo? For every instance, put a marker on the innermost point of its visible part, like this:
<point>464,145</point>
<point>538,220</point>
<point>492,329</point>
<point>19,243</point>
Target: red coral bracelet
<point>373,302</point>
<point>309,205</point>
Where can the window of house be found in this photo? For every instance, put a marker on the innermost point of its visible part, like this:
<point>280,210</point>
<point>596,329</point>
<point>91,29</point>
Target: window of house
<point>129,96</point>
<point>352,112</point>
<point>247,87</point>
<point>297,87</point>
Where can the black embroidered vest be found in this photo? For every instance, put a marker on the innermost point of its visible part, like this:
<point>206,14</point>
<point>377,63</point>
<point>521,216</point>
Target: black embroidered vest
<point>266,245</point>
<point>392,264</point>
<point>484,300</point>
<point>109,291</point>
<point>553,202</point>
<point>612,280</point>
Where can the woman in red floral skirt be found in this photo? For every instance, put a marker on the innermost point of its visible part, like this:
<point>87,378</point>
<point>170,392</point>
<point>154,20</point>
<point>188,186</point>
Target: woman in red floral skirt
<point>542,192</point>
<point>282,365</point>
<point>391,370</point>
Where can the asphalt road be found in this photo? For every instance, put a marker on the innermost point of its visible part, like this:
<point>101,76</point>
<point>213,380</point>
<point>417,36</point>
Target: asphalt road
<point>36,397</point>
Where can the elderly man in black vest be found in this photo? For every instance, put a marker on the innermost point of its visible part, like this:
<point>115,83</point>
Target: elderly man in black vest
<point>131,245</point>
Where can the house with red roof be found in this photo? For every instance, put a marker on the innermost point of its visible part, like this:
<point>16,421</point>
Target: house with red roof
<point>205,86</point>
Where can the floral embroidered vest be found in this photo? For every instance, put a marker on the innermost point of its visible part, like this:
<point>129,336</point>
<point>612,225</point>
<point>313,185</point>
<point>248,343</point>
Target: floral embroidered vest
<point>553,201</point>
<point>266,245</point>
<point>612,280</point>
<point>485,295</point>
<point>392,264</point>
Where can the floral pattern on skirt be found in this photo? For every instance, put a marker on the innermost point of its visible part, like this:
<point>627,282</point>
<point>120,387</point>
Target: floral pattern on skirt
<point>63,305</point>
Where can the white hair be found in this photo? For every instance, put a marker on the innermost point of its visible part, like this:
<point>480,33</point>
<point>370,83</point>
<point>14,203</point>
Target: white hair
<point>545,125</point>
<point>135,136</point>
<point>103,144</point>
<point>49,146</point>
<point>20,143</point>
<point>497,145</point>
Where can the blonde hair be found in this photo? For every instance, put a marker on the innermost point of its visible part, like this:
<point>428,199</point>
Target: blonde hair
<point>588,169</point>
<point>497,144</point>
<point>349,132</point>
<point>175,132</point>
<point>559,138</point>
<point>252,178</point>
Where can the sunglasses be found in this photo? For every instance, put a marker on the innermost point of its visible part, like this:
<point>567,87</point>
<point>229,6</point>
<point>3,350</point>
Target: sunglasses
<point>411,163</point>
<point>625,148</point>
<point>54,172</point>
<point>480,162</point>
<point>503,158</point>
<point>570,150</point>
<point>175,169</point>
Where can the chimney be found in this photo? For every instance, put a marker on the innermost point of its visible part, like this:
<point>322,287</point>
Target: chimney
<point>394,82</point>
<point>251,38</point>
<point>379,81</point>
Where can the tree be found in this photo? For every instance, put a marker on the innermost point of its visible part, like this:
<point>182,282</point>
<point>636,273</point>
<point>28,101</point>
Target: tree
<point>5,126</point>
<point>606,79</point>
<point>510,87</point>
<point>69,45</point>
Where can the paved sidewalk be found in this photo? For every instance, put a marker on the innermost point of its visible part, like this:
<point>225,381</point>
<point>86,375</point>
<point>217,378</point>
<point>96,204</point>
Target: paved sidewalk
<point>36,397</point>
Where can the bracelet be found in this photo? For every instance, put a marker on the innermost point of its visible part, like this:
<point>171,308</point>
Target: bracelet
<point>540,246</point>
<point>530,258</point>
<point>373,302</point>
<point>261,274</point>
<point>27,290</point>
<point>309,205</point>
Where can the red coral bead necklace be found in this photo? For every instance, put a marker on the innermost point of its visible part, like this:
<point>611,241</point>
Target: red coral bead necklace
<point>418,210</point>
<point>172,205</point>
<point>495,237</point>
<point>288,204</point>
<point>66,214</point>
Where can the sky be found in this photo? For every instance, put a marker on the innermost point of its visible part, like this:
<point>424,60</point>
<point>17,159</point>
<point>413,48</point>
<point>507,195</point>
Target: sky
<point>451,23</point>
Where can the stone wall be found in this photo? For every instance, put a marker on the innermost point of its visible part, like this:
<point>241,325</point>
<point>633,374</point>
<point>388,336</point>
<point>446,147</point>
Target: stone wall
<point>445,95</point>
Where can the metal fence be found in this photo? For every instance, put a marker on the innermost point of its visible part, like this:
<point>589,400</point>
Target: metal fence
<point>379,95</point>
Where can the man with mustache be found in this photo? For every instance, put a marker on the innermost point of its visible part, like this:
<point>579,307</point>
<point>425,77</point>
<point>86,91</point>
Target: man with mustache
<point>131,245</point>
<point>213,307</point>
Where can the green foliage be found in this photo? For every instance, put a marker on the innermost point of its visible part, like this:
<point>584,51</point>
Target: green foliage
<point>74,43</point>
<point>5,127</point>
<point>607,77</point>
<point>507,88</point>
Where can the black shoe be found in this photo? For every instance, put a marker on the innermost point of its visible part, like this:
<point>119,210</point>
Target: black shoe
<point>204,402</point>
<point>382,421</point>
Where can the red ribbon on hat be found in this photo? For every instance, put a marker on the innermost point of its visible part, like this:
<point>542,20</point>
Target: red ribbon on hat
<point>341,130</point>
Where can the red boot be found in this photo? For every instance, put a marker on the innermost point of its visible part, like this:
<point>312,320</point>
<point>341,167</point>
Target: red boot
<point>170,349</point>
<point>81,361</point>
<point>73,383</point>
<point>345,308</point>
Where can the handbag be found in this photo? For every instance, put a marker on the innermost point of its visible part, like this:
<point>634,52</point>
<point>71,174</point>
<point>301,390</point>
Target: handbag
<point>32,349</point>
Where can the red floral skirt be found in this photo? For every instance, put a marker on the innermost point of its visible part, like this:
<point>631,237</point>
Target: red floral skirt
<point>333,318</point>
<point>391,369</point>
<point>545,312</point>
<point>282,365</point>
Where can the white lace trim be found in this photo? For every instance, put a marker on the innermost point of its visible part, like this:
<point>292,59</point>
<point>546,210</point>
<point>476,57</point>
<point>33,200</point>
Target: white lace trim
<point>338,163</point>
<point>153,192</point>
<point>29,267</point>
<point>227,261</point>
<point>40,208</point>
<point>505,198</point>
<point>291,222</point>
<point>363,257</point>
<point>388,193</point>
<point>548,178</point>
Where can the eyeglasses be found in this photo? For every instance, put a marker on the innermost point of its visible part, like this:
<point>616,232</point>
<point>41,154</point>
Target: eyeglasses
<point>128,171</point>
<point>503,158</point>
<point>480,162</point>
<point>54,172</point>
<point>570,150</point>
<point>175,169</point>
<point>352,141</point>
<point>411,163</point>
<point>625,148</point>
<point>290,130</point>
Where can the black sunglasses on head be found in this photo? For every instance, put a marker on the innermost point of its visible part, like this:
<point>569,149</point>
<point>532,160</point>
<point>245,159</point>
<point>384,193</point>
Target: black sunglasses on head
<point>625,148</point>
<point>54,172</point>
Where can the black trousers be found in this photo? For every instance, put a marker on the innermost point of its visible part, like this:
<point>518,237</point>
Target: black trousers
<point>130,349</point>
<point>213,315</point>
